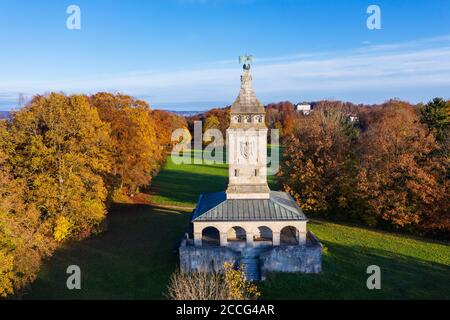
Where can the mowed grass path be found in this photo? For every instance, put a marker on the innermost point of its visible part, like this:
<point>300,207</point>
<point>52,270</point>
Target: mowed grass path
<point>135,257</point>
<point>182,184</point>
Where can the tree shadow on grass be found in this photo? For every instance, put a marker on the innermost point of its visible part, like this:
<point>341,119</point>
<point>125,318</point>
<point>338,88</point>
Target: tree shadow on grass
<point>344,277</point>
<point>133,259</point>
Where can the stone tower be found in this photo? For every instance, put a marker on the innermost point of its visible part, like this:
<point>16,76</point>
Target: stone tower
<point>247,144</point>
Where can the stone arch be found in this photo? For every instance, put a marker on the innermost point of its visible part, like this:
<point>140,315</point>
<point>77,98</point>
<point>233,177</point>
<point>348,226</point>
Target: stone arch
<point>210,236</point>
<point>236,233</point>
<point>264,234</point>
<point>289,236</point>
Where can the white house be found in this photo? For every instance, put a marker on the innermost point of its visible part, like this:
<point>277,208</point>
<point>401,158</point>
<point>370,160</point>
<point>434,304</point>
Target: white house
<point>303,108</point>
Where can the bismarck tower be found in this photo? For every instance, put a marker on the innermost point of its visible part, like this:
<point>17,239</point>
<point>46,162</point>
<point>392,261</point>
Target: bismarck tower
<point>247,143</point>
<point>249,225</point>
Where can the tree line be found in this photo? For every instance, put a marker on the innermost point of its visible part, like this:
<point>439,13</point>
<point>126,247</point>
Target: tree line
<point>63,159</point>
<point>388,167</point>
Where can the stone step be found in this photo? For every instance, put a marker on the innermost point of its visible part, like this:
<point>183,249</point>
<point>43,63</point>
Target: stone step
<point>251,268</point>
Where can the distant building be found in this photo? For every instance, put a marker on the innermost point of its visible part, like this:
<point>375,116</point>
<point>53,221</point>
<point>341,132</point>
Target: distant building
<point>303,108</point>
<point>353,119</point>
<point>248,224</point>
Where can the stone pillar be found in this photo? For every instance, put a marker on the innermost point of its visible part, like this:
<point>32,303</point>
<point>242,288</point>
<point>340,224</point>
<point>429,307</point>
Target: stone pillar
<point>198,239</point>
<point>302,238</point>
<point>276,238</point>
<point>223,239</point>
<point>249,239</point>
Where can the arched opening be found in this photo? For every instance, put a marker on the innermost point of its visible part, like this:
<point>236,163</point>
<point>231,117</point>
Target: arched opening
<point>236,234</point>
<point>289,236</point>
<point>264,235</point>
<point>210,237</point>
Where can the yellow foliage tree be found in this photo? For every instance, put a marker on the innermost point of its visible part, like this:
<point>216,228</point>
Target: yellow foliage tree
<point>136,154</point>
<point>61,153</point>
<point>62,228</point>
<point>24,237</point>
<point>238,286</point>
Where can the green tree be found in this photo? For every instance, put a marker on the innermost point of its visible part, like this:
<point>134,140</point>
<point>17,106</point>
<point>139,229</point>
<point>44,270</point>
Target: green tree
<point>436,115</point>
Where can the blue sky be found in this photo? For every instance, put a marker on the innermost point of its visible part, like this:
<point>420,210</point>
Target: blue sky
<point>182,54</point>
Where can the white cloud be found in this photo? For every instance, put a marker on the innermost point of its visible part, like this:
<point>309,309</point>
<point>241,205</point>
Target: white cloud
<point>382,68</point>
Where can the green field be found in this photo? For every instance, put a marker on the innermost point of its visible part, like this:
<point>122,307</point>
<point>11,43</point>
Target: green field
<point>134,258</point>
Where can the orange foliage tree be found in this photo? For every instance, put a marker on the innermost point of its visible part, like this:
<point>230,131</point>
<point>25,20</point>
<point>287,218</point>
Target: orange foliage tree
<point>384,168</point>
<point>319,167</point>
<point>135,152</point>
<point>403,183</point>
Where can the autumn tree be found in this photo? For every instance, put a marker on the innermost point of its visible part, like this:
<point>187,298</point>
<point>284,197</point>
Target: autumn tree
<point>24,237</point>
<point>60,152</point>
<point>231,284</point>
<point>136,154</point>
<point>319,165</point>
<point>211,123</point>
<point>219,118</point>
<point>166,122</point>
<point>281,116</point>
<point>400,180</point>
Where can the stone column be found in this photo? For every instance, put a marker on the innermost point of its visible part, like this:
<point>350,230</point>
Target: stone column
<point>223,239</point>
<point>302,238</point>
<point>276,238</point>
<point>249,239</point>
<point>198,239</point>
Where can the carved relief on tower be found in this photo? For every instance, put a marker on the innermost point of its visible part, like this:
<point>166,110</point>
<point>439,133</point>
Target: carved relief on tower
<point>247,149</point>
<point>247,118</point>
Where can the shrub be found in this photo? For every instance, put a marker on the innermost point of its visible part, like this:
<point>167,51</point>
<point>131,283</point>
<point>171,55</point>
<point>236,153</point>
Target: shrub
<point>229,285</point>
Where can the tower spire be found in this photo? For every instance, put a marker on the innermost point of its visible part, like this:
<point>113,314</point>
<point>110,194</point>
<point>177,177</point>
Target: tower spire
<point>247,142</point>
<point>246,102</point>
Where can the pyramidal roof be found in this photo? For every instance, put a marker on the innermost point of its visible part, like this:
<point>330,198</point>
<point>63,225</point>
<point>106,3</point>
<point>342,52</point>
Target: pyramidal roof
<point>247,102</point>
<point>215,206</point>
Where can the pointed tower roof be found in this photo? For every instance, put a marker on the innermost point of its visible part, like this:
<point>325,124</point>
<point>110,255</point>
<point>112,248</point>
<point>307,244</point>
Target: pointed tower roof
<point>247,102</point>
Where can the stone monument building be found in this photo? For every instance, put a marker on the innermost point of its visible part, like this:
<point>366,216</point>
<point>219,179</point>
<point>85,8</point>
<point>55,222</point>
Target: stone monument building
<point>248,224</point>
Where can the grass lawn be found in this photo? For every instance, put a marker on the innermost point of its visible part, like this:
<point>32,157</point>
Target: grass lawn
<point>136,255</point>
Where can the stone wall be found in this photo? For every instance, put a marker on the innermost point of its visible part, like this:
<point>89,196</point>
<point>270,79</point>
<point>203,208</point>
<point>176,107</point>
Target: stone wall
<point>305,259</point>
<point>207,259</point>
<point>301,258</point>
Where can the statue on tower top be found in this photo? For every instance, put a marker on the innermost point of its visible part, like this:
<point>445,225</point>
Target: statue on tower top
<point>246,59</point>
